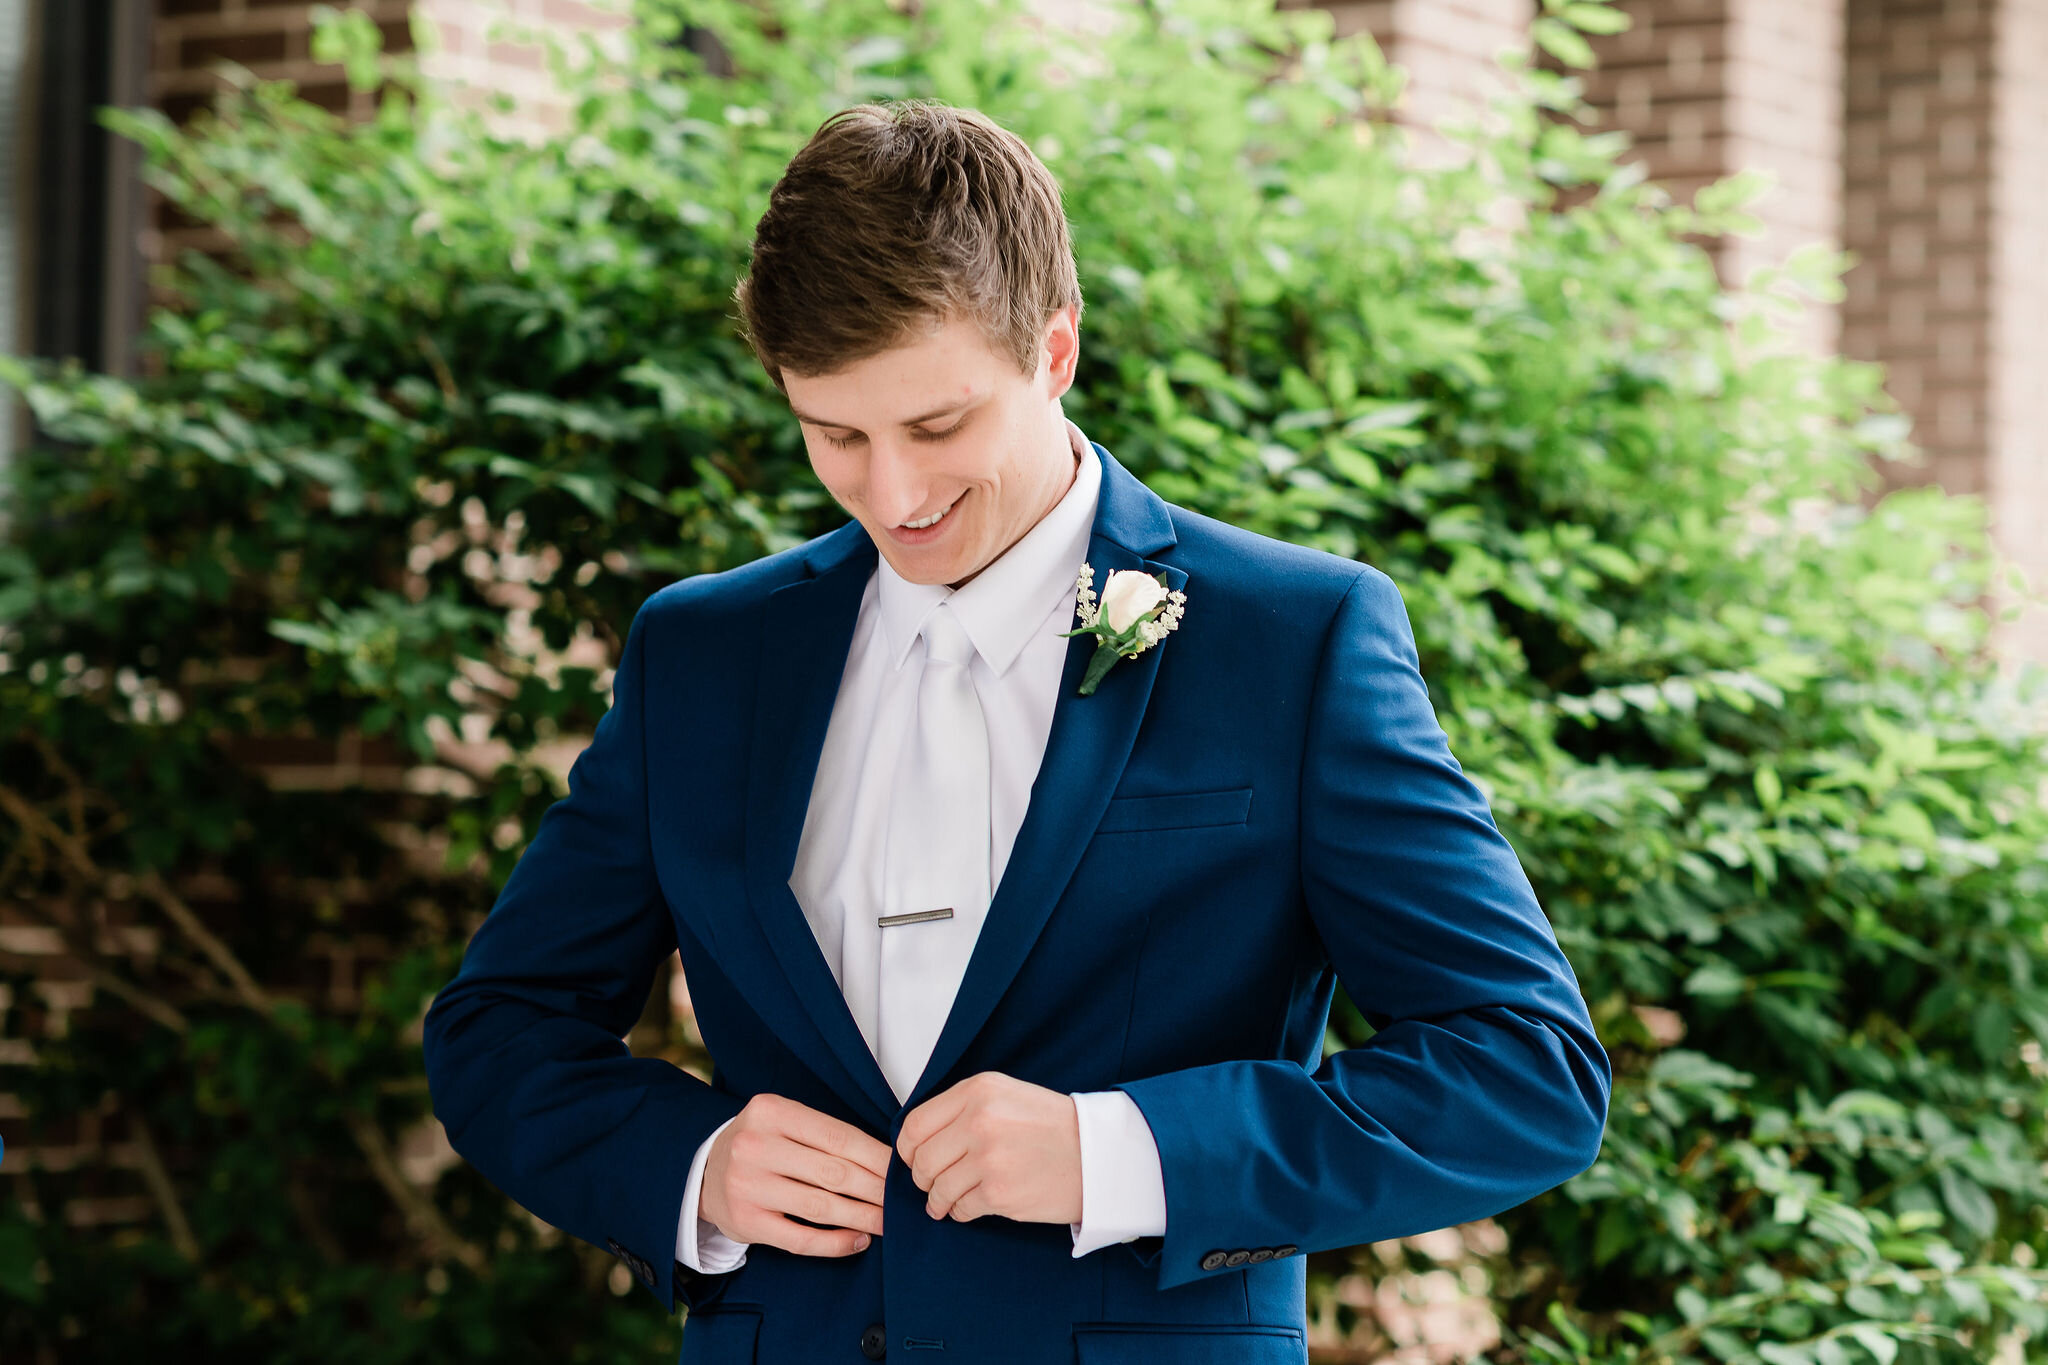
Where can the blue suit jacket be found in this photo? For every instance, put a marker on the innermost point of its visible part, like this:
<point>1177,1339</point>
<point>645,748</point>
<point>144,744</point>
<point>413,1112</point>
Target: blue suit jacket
<point>1256,807</point>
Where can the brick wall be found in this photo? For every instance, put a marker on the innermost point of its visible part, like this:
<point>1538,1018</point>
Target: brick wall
<point>1920,216</point>
<point>1706,88</point>
<point>1946,131</point>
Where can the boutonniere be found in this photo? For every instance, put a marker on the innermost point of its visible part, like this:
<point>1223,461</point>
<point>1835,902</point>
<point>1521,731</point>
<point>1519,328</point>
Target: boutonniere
<point>1135,614</point>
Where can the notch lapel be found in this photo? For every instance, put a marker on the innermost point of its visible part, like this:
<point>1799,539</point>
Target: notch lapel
<point>806,632</point>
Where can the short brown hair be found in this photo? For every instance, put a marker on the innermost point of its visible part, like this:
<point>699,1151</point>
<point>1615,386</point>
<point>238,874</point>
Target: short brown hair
<point>896,218</point>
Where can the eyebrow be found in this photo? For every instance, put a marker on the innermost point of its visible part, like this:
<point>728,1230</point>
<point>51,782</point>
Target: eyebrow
<point>908,422</point>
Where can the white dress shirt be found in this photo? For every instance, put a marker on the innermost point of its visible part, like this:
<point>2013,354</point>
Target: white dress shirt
<point>1014,611</point>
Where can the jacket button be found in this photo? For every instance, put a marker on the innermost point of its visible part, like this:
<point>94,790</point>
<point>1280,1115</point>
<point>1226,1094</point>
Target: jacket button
<point>1238,1258</point>
<point>1262,1254</point>
<point>1288,1250</point>
<point>874,1343</point>
<point>1214,1260</point>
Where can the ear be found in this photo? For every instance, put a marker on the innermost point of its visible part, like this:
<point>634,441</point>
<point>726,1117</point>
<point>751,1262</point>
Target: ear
<point>1060,348</point>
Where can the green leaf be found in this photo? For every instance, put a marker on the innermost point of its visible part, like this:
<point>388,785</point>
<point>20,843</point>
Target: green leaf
<point>1596,18</point>
<point>1566,1328</point>
<point>1561,42</point>
<point>1374,415</point>
<point>1352,465</point>
<point>1716,980</point>
<point>1875,1340</point>
<point>1769,792</point>
<point>1967,1200</point>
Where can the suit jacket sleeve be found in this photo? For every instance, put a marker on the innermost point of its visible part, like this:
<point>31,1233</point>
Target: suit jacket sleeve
<point>524,1049</point>
<point>1484,1084</point>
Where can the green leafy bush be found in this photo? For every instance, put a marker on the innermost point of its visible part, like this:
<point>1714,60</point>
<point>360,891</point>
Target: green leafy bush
<point>457,404</point>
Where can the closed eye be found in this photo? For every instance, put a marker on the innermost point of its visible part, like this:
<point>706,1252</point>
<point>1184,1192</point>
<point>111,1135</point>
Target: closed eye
<point>947,434</point>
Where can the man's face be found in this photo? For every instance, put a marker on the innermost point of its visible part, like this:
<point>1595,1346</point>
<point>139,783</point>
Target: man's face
<point>944,424</point>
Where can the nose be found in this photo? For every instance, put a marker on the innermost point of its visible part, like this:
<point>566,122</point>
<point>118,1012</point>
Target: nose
<point>897,489</point>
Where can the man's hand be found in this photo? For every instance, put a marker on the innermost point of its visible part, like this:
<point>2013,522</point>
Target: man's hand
<point>781,1159</point>
<point>995,1144</point>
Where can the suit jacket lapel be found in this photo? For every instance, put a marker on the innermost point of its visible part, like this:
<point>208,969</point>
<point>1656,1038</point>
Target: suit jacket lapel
<point>807,630</point>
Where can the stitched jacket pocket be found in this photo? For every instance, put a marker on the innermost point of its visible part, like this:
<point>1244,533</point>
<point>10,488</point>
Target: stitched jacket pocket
<point>1176,810</point>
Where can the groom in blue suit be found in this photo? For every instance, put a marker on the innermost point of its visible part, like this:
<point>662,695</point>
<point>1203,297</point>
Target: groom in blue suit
<point>1184,861</point>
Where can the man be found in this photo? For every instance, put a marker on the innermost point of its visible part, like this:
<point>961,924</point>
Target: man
<point>1016,993</point>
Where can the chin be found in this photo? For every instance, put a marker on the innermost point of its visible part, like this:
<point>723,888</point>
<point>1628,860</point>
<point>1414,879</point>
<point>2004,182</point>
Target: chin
<point>928,573</point>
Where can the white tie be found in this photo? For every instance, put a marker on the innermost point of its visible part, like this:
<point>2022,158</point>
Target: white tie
<point>936,855</point>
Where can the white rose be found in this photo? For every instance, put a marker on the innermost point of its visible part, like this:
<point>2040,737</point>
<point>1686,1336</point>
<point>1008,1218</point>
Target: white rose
<point>1129,594</point>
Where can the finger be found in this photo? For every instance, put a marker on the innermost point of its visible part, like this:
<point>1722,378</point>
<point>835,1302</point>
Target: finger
<point>782,1195</point>
<point>952,1183</point>
<point>760,1216</point>
<point>828,1172</point>
<point>939,1154</point>
<point>957,1196</point>
<point>803,1241</point>
<point>934,1114</point>
<point>824,1133</point>
<point>869,1152</point>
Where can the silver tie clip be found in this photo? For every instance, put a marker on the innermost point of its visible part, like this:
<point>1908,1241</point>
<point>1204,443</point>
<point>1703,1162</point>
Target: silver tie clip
<point>914,917</point>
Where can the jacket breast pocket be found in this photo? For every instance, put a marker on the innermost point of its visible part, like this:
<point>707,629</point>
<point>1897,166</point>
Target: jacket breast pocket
<point>1188,1343</point>
<point>1176,810</point>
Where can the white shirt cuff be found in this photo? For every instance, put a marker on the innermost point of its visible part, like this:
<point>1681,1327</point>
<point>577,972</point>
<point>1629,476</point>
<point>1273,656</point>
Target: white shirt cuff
<point>1123,1191</point>
<point>699,1243</point>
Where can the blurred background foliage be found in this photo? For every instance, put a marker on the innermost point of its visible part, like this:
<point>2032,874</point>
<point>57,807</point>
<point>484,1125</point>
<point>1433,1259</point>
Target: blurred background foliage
<point>456,405</point>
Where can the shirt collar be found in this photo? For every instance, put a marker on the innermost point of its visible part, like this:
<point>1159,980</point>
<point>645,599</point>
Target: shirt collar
<point>1006,603</point>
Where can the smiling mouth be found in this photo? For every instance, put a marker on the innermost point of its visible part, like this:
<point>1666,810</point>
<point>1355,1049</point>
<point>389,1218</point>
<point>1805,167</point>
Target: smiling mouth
<point>932,520</point>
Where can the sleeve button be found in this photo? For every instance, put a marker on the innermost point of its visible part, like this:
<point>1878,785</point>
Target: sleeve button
<point>1214,1260</point>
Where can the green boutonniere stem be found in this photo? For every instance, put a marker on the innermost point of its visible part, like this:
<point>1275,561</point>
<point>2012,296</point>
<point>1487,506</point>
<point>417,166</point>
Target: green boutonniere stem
<point>1109,647</point>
